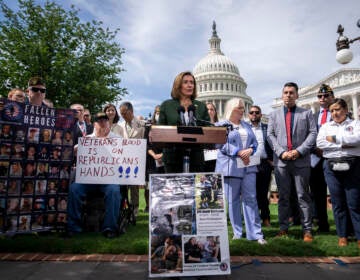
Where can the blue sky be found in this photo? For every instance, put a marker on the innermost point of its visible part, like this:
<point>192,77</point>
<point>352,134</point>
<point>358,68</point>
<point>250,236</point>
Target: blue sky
<point>271,42</point>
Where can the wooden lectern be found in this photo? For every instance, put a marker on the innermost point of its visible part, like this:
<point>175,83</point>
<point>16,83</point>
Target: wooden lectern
<point>163,135</point>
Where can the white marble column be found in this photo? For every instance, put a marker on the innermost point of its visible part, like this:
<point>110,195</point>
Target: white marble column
<point>220,107</point>
<point>355,106</point>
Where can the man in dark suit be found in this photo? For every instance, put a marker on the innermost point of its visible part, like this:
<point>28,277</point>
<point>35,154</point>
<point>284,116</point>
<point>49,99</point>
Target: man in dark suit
<point>263,177</point>
<point>318,185</point>
<point>81,128</point>
<point>292,135</point>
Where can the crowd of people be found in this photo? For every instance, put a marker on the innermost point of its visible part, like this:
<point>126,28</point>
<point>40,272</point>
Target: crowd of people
<point>307,153</point>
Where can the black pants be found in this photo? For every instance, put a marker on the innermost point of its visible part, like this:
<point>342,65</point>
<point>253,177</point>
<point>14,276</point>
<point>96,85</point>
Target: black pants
<point>263,178</point>
<point>318,188</point>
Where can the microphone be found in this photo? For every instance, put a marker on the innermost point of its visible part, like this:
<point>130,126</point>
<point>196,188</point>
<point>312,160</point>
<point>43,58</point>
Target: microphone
<point>204,122</point>
<point>229,126</point>
<point>192,118</point>
<point>181,111</point>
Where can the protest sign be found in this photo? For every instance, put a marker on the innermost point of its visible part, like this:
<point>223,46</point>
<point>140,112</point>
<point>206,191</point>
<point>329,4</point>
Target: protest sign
<point>188,233</point>
<point>35,164</point>
<point>111,161</point>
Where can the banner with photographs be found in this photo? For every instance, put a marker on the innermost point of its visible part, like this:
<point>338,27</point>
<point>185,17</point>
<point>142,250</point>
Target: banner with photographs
<point>36,154</point>
<point>111,161</point>
<point>188,233</point>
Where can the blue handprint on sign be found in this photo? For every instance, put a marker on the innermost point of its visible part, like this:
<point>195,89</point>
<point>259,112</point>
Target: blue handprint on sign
<point>136,170</point>
<point>120,171</point>
<point>127,171</point>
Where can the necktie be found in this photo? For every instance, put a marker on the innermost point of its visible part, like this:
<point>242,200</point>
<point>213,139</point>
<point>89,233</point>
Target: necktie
<point>324,117</point>
<point>82,128</point>
<point>128,128</point>
<point>288,129</point>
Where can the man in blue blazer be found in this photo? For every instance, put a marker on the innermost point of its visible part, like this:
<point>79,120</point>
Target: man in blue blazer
<point>292,135</point>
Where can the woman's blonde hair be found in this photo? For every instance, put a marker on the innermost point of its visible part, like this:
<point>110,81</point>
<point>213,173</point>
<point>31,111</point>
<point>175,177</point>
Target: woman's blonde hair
<point>176,89</point>
<point>230,104</point>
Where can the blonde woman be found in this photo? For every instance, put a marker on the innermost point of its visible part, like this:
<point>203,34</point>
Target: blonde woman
<point>240,182</point>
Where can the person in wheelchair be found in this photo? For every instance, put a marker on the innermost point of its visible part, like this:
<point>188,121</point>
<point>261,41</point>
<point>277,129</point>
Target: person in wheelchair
<point>112,194</point>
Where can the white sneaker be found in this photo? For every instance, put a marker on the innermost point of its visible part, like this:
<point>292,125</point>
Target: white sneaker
<point>235,237</point>
<point>261,241</point>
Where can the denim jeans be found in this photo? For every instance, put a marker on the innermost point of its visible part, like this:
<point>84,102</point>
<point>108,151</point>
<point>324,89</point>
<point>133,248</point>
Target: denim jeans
<point>344,187</point>
<point>77,194</point>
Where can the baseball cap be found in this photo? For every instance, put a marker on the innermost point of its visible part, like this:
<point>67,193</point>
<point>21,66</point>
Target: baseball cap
<point>100,116</point>
<point>325,89</point>
<point>36,81</point>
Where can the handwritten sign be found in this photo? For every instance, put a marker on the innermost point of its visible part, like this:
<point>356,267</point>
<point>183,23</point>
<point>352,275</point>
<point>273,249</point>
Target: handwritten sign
<point>111,161</point>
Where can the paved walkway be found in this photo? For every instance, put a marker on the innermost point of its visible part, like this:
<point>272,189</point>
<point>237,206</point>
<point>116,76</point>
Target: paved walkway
<point>25,257</point>
<point>94,267</point>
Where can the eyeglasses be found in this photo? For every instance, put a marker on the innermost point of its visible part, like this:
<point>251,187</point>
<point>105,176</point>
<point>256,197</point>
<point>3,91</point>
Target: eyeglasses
<point>36,89</point>
<point>86,115</point>
<point>326,95</point>
<point>254,112</point>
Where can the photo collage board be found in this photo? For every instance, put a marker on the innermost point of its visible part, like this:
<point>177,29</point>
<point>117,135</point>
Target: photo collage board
<point>36,158</point>
<point>188,234</point>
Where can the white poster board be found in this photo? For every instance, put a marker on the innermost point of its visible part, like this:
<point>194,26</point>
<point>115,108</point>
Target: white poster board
<point>188,232</point>
<point>254,160</point>
<point>111,161</point>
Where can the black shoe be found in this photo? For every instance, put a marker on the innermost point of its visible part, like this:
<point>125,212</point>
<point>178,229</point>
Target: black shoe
<point>109,234</point>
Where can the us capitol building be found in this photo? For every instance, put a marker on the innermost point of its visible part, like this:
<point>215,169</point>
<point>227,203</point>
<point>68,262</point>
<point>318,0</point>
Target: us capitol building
<point>218,78</point>
<point>345,83</point>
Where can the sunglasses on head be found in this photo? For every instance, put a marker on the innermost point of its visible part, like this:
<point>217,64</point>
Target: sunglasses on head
<point>254,112</point>
<point>36,89</point>
<point>326,95</point>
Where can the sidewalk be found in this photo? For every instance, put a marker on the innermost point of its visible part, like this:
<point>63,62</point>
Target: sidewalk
<point>39,257</point>
<point>135,267</point>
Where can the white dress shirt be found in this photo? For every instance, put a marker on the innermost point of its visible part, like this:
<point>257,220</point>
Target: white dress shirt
<point>347,135</point>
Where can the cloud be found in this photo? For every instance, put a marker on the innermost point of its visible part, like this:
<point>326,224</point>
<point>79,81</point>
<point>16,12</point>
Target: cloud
<point>271,42</point>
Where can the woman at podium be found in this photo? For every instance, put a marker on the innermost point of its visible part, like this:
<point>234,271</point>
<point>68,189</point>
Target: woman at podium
<point>183,110</point>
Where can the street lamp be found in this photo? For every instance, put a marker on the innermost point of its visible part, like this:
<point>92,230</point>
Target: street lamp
<point>344,54</point>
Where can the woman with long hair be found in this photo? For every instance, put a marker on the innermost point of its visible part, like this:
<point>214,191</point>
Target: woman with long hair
<point>111,112</point>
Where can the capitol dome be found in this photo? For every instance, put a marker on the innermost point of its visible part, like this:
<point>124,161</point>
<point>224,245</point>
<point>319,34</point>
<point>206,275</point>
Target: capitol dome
<point>218,78</point>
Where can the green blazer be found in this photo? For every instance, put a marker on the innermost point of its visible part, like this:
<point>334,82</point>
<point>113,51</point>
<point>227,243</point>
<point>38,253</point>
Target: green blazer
<point>170,116</point>
<point>173,157</point>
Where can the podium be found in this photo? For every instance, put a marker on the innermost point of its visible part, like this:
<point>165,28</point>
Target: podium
<point>187,137</point>
<point>203,136</point>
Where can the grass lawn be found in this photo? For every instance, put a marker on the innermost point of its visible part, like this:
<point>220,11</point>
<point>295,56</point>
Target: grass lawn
<point>135,241</point>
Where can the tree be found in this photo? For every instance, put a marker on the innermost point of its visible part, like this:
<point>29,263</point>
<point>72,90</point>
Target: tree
<point>80,62</point>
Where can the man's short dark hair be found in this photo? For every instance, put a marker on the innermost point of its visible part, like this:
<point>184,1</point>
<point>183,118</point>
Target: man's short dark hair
<point>292,84</point>
<point>256,106</point>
